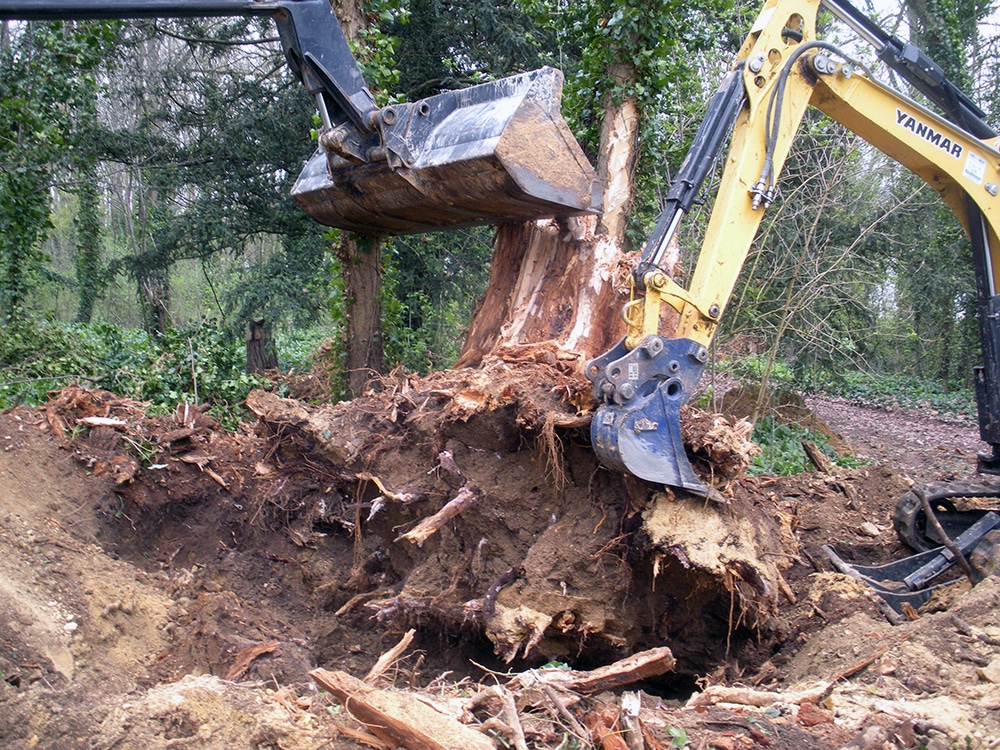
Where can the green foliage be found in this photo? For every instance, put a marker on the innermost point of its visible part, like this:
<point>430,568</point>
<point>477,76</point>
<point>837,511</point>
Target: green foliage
<point>678,737</point>
<point>781,448</point>
<point>430,288</point>
<point>751,369</point>
<point>199,364</point>
<point>46,71</point>
<point>909,392</point>
<point>447,44</point>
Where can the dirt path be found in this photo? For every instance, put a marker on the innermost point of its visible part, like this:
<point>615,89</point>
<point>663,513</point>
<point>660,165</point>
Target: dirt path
<point>920,445</point>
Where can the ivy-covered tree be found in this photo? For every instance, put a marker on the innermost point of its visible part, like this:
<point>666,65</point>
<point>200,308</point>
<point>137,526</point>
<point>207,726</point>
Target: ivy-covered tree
<point>46,73</point>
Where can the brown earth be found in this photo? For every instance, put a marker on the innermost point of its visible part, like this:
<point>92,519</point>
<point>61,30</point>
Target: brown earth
<point>165,583</point>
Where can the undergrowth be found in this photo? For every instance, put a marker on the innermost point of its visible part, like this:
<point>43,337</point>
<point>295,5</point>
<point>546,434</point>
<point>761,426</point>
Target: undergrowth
<point>202,363</point>
<point>949,399</point>
<point>782,453</point>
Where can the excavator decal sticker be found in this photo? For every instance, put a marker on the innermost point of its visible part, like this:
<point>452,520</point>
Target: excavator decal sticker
<point>928,133</point>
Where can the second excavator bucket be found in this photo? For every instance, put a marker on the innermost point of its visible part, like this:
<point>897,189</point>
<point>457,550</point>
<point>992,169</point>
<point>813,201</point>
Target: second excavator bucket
<point>496,152</point>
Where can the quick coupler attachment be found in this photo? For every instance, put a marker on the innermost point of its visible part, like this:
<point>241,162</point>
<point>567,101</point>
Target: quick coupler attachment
<point>637,428</point>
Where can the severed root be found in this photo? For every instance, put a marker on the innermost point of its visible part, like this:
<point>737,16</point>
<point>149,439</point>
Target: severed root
<point>757,698</point>
<point>397,497</point>
<point>466,497</point>
<point>390,657</point>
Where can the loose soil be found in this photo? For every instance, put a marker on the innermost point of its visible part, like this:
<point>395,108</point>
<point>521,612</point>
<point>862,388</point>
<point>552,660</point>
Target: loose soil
<point>166,583</point>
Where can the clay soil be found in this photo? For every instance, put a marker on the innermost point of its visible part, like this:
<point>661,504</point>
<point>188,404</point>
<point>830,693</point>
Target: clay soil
<point>167,583</point>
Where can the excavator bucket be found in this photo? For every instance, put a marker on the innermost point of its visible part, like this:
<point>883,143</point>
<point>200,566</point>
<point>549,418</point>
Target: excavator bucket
<point>496,152</point>
<point>637,428</point>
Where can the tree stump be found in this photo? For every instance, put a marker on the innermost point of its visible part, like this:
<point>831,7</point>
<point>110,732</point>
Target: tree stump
<point>261,352</point>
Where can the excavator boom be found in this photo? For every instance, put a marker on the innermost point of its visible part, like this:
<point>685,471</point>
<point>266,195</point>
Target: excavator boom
<point>500,151</point>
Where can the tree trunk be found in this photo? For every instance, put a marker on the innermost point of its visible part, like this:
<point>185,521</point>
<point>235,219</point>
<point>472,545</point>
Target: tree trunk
<point>549,281</point>
<point>261,352</point>
<point>361,265</point>
<point>566,281</point>
<point>619,152</point>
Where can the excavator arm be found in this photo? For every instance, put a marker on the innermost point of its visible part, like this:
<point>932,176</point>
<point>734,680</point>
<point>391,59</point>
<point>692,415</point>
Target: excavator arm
<point>500,151</point>
<point>781,70</point>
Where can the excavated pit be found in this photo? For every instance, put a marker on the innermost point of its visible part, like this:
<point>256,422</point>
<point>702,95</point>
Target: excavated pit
<point>319,545</point>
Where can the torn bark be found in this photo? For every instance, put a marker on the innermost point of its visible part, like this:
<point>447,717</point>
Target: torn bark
<point>466,497</point>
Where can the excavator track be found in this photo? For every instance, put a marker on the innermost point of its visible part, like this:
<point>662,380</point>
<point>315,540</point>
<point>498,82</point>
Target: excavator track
<point>910,520</point>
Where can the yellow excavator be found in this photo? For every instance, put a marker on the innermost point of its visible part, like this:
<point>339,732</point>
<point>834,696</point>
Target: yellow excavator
<point>781,70</point>
<point>500,151</point>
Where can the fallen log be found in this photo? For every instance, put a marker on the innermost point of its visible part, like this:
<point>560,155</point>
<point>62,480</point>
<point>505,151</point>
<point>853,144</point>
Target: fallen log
<point>399,719</point>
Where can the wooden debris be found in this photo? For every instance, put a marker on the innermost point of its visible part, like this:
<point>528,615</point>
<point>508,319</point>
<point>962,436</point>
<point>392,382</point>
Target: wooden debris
<point>365,738</point>
<point>605,732</point>
<point>466,497</point>
<point>640,666</point>
<point>784,588</point>
<point>390,657</point>
<point>817,458</point>
<point>399,719</point>
<point>102,422</point>
<point>202,461</point>
<point>246,656</point>
<point>509,716</point>
<point>809,715</point>
<point>564,712</point>
<point>446,463</point>
<point>714,694</point>
<point>631,703</point>
<point>726,445</point>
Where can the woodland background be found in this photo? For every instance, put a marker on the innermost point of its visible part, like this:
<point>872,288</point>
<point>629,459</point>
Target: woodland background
<point>145,217</point>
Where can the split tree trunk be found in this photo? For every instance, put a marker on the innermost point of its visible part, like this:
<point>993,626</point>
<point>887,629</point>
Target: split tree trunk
<point>566,281</point>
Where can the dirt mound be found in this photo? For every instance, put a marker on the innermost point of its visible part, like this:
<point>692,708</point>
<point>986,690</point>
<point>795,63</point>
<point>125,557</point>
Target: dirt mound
<point>166,583</point>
